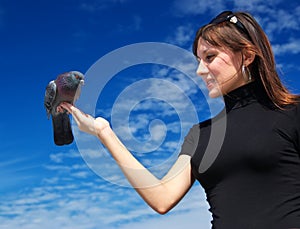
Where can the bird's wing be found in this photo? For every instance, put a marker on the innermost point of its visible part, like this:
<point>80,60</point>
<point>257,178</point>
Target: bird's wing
<point>50,95</point>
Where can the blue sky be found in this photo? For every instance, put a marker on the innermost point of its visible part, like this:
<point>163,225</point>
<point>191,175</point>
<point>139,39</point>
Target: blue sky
<point>151,104</point>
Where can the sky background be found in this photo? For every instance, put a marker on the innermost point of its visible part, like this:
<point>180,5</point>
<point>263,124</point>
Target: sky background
<point>46,186</point>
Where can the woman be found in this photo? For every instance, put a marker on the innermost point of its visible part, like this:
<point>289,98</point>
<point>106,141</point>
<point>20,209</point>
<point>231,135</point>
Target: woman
<point>254,182</point>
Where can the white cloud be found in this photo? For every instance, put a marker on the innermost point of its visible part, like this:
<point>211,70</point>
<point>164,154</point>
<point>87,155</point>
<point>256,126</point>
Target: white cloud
<point>81,174</point>
<point>292,46</point>
<point>58,157</point>
<point>271,17</point>
<point>158,131</point>
<point>94,153</point>
<point>182,36</point>
<point>86,206</point>
<point>161,98</point>
<point>193,210</point>
<point>279,23</point>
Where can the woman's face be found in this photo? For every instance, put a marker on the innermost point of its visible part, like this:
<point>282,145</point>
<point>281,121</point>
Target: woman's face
<point>220,69</point>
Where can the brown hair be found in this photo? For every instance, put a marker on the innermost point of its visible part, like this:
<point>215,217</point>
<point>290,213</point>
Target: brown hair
<point>263,68</point>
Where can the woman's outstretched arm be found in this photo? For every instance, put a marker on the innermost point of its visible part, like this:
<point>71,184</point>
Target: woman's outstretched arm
<point>160,194</point>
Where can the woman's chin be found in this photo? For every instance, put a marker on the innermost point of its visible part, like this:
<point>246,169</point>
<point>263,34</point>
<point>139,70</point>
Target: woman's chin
<point>214,93</point>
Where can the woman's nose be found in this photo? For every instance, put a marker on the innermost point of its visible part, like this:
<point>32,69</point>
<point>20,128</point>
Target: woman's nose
<point>202,69</point>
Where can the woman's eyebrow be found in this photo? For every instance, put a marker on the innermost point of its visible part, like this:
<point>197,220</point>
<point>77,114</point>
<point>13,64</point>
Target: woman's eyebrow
<point>202,52</point>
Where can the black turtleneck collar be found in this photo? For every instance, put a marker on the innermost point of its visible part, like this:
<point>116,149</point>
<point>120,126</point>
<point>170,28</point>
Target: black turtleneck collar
<point>245,95</point>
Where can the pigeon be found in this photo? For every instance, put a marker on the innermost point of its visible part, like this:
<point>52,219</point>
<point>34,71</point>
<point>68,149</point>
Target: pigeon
<point>66,88</point>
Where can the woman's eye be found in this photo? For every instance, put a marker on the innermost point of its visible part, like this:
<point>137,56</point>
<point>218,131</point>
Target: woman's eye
<point>210,57</point>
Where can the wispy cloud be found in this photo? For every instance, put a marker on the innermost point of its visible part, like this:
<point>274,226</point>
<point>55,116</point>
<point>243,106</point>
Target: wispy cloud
<point>273,19</point>
<point>58,157</point>
<point>144,110</point>
<point>17,171</point>
<point>292,46</point>
<point>279,23</point>
<point>68,192</point>
<point>183,35</point>
<point>71,200</point>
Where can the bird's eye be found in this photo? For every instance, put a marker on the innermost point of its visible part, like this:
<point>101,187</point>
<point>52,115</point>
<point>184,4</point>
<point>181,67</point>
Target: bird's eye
<point>76,76</point>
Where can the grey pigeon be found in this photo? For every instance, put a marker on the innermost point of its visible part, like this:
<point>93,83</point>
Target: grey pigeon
<point>66,88</point>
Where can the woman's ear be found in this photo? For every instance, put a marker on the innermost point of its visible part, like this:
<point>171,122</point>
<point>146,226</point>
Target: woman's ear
<point>248,57</point>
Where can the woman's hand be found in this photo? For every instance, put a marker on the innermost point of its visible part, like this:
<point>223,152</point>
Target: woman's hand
<point>86,122</point>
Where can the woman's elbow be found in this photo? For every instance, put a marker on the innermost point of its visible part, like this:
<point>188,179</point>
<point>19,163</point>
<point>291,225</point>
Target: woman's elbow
<point>162,209</point>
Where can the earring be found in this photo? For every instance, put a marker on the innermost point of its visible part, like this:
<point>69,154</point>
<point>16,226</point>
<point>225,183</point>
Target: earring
<point>246,74</point>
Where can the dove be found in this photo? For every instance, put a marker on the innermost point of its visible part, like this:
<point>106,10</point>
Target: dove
<point>65,88</point>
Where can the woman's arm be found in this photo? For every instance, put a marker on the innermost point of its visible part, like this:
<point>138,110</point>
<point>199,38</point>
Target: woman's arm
<point>161,195</point>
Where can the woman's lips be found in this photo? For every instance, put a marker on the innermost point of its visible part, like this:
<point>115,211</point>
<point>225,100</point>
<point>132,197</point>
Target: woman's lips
<point>210,84</point>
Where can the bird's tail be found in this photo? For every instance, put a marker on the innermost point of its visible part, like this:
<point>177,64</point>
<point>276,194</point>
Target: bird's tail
<point>62,129</point>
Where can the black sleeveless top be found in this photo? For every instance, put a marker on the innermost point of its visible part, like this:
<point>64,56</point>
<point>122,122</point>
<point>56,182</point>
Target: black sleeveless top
<point>253,181</point>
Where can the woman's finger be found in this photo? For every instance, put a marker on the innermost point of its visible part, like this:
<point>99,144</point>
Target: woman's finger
<point>84,121</point>
<point>75,112</point>
<point>67,106</point>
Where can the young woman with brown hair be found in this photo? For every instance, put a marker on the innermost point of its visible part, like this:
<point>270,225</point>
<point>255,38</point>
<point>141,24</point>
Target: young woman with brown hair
<point>254,182</point>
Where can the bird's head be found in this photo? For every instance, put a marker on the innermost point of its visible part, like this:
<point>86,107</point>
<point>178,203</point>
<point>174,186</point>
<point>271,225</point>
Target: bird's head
<point>78,76</point>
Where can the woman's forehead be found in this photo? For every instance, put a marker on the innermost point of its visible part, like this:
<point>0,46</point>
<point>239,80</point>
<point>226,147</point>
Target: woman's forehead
<point>202,42</point>
<point>204,46</point>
